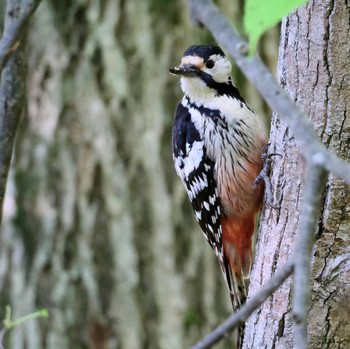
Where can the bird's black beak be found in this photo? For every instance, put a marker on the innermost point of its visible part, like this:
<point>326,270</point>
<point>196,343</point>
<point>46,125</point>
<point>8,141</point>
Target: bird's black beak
<point>185,70</point>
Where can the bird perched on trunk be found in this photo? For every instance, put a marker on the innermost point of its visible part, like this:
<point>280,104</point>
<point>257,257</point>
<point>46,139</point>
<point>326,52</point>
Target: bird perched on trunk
<point>217,145</point>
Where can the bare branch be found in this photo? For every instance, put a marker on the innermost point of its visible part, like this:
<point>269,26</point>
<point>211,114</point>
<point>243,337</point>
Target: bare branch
<point>206,13</point>
<point>16,19</point>
<point>314,187</point>
<point>247,309</point>
<point>12,92</point>
<point>12,87</point>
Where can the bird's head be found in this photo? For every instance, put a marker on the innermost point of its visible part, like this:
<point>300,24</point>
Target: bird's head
<point>204,70</point>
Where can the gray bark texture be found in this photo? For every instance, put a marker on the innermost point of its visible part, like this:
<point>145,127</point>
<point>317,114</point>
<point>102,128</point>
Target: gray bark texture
<point>96,225</point>
<point>314,65</point>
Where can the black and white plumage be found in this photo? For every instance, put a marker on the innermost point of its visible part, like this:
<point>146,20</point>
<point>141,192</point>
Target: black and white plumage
<point>217,141</point>
<point>196,170</point>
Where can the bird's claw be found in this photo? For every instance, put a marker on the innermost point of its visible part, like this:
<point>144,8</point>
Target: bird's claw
<point>264,174</point>
<point>265,154</point>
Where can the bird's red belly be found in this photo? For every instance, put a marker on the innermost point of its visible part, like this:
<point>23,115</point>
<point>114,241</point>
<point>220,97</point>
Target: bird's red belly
<point>238,193</point>
<point>241,200</point>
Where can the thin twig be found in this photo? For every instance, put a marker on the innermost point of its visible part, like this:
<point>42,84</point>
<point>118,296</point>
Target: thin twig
<point>16,18</point>
<point>247,309</point>
<point>314,187</point>
<point>208,14</point>
<point>9,323</point>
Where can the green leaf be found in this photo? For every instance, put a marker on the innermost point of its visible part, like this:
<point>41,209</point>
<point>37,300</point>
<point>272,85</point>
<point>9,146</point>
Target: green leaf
<point>260,15</point>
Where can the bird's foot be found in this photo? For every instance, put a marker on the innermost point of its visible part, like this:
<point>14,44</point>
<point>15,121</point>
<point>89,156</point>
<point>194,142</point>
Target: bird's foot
<point>264,174</point>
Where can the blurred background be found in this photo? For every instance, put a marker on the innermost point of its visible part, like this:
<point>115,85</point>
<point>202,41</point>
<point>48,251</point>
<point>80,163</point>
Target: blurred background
<point>97,227</point>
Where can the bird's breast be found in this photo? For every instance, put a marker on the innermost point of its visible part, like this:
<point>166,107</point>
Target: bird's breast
<point>233,136</point>
<point>237,153</point>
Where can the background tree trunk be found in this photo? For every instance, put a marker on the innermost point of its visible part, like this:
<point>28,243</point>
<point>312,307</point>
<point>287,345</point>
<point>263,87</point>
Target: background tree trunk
<point>314,68</point>
<point>97,226</point>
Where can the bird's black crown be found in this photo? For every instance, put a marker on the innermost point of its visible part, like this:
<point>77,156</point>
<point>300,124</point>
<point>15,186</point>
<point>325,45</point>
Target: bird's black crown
<point>203,51</point>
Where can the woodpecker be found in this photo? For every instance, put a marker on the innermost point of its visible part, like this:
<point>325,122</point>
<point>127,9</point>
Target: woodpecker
<point>217,143</point>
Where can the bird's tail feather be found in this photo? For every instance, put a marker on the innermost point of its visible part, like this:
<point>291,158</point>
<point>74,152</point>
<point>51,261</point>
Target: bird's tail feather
<point>238,296</point>
<point>236,285</point>
<point>237,243</point>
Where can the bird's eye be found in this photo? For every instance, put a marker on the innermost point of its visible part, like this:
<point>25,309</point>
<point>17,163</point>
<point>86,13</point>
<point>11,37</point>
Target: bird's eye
<point>210,64</point>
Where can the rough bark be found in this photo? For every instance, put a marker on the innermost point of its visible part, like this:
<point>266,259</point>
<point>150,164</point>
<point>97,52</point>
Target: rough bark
<point>97,227</point>
<point>313,68</point>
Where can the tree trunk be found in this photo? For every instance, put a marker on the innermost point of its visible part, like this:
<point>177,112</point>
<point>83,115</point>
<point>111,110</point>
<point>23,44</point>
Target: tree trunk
<point>314,68</point>
<point>97,226</point>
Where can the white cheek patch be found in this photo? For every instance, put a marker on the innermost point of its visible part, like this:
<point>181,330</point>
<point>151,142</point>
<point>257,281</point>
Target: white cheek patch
<point>221,70</point>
